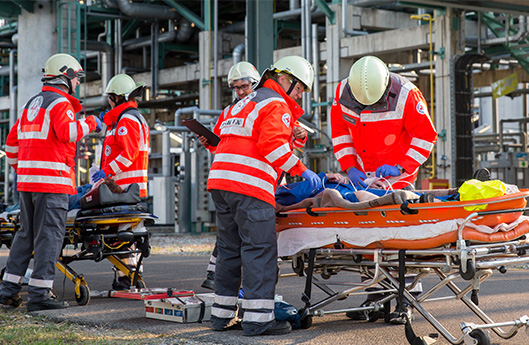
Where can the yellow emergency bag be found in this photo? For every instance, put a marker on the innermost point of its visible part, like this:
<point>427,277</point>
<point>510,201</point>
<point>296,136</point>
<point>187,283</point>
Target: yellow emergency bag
<point>477,190</point>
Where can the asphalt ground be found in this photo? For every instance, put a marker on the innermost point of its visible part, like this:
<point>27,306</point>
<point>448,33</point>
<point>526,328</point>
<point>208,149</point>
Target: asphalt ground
<point>503,296</point>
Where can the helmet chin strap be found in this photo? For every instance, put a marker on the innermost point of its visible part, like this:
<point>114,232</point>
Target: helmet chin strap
<point>70,88</point>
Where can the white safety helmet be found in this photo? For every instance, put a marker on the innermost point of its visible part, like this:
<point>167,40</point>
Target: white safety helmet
<point>298,67</point>
<point>243,70</point>
<point>124,85</point>
<point>62,65</point>
<point>368,79</point>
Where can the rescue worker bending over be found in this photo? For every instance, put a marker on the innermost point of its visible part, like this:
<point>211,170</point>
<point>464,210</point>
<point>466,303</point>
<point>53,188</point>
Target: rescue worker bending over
<point>380,128</point>
<point>242,79</point>
<point>41,148</point>
<point>255,146</point>
<point>125,153</point>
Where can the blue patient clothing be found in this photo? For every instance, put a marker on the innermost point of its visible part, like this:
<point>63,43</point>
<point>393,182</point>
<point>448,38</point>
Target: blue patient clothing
<point>293,193</point>
<point>74,201</point>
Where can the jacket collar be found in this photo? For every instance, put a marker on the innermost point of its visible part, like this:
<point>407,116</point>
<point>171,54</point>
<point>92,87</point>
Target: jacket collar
<point>294,107</point>
<point>112,115</point>
<point>74,101</point>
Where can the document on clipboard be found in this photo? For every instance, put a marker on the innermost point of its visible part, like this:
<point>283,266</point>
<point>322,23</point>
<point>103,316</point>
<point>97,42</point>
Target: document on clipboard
<point>201,130</point>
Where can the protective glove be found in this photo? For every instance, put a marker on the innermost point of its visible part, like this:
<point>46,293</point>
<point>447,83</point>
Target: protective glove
<point>315,180</point>
<point>357,178</point>
<point>98,176</point>
<point>99,125</point>
<point>102,115</point>
<point>387,170</point>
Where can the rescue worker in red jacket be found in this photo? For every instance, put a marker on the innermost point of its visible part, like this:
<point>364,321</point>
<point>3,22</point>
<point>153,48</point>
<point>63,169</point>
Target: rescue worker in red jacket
<point>381,128</point>
<point>256,142</point>
<point>380,125</point>
<point>41,148</point>
<point>242,79</point>
<point>125,153</point>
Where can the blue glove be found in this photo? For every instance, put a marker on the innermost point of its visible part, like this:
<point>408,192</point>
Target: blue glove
<point>315,180</point>
<point>98,176</point>
<point>387,170</point>
<point>102,115</point>
<point>357,178</point>
<point>99,125</point>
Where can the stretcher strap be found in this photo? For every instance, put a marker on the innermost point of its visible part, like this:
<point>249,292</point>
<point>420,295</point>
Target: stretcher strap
<point>138,208</point>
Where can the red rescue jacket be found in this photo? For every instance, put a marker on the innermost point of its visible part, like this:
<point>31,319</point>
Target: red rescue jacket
<point>125,155</point>
<point>41,145</point>
<point>256,144</point>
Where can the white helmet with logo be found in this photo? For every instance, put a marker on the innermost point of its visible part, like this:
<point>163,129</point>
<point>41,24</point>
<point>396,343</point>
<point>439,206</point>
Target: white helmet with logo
<point>368,79</point>
<point>124,85</point>
<point>298,67</point>
<point>62,65</point>
<point>243,70</point>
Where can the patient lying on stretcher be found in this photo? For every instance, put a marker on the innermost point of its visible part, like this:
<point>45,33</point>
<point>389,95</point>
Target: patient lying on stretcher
<point>336,191</point>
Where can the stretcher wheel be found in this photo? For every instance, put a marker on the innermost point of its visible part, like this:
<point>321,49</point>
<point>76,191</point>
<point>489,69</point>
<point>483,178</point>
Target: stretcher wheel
<point>98,255</point>
<point>299,267</point>
<point>481,337</point>
<point>84,295</point>
<point>470,273</point>
<point>145,249</point>
<point>140,284</point>
<point>306,320</point>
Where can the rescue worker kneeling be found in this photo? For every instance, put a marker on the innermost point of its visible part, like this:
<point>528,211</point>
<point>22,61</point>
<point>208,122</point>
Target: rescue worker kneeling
<point>255,148</point>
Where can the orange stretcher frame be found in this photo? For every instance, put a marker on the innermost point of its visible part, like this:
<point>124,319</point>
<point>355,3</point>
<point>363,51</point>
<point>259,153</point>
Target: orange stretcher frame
<point>394,215</point>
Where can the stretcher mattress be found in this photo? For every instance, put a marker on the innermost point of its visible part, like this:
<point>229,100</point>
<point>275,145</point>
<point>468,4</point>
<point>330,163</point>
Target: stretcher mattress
<point>433,225</point>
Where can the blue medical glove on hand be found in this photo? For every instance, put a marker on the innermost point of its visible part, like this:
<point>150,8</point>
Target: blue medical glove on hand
<point>102,115</point>
<point>315,180</point>
<point>98,176</point>
<point>357,178</point>
<point>387,170</point>
<point>99,125</point>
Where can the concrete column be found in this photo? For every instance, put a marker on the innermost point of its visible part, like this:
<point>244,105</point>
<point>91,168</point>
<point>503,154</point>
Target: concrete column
<point>37,41</point>
<point>448,34</point>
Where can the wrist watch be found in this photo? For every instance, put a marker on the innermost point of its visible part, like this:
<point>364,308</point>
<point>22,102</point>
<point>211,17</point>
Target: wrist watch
<point>401,169</point>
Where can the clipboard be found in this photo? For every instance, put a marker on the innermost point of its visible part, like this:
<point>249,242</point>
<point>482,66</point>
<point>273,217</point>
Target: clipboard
<point>199,129</point>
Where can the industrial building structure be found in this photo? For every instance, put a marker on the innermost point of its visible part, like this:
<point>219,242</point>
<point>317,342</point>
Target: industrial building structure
<point>469,58</point>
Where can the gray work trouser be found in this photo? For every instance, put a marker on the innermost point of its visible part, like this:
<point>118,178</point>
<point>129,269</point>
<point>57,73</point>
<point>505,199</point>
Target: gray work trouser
<point>43,225</point>
<point>246,239</point>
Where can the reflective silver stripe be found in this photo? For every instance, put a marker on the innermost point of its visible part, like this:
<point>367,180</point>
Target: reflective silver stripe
<point>258,317</point>
<point>222,313</point>
<point>123,161</point>
<point>278,153</point>
<point>396,114</point>
<point>342,139</point>
<point>416,156</point>
<point>130,173</point>
<point>73,132</point>
<point>246,161</point>
<point>349,111</point>
<point>258,304</point>
<point>213,259</point>
<point>115,167</point>
<point>42,134</point>
<point>12,161</point>
<point>13,278</point>
<point>242,178</point>
<point>44,165</point>
<point>84,126</point>
<point>346,151</point>
<point>423,144</point>
<point>247,129</point>
<point>40,283</point>
<point>225,300</point>
<point>66,181</point>
<point>11,149</point>
<point>211,268</point>
<point>290,163</point>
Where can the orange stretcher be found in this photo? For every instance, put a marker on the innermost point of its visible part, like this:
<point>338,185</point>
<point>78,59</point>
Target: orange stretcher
<point>451,240</point>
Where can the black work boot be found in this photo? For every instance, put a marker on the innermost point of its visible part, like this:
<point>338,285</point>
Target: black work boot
<point>209,282</point>
<point>51,302</point>
<point>10,301</point>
